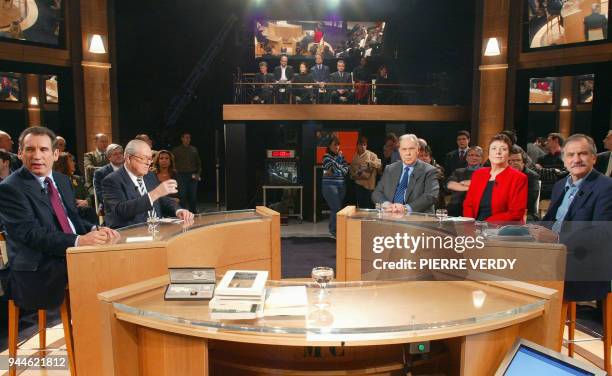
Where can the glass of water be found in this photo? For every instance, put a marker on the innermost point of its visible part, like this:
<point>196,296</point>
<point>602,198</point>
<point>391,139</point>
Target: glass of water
<point>379,209</point>
<point>442,214</point>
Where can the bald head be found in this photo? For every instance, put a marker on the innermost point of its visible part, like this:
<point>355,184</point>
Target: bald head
<point>60,144</point>
<point>6,143</point>
<point>101,142</point>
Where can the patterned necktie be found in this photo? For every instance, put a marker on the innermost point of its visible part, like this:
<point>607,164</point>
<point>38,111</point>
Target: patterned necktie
<point>400,191</point>
<point>143,191</point>
<point>58,208</point>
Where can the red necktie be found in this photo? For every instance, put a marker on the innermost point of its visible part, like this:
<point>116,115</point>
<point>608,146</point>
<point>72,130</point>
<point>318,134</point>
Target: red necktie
<point>58,208</point>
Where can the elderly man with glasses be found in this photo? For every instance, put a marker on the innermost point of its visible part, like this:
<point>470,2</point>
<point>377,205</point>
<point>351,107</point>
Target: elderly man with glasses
<point>132,194</point>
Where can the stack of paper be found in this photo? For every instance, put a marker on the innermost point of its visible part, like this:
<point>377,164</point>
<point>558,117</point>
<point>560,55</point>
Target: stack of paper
<point>286,301</point>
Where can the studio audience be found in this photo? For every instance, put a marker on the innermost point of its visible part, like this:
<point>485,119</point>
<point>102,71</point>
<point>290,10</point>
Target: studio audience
<point>459,181</point>
<point>66,165</point>
<point>189,169</point>
<point>517,161</point>
<point>164,168</point>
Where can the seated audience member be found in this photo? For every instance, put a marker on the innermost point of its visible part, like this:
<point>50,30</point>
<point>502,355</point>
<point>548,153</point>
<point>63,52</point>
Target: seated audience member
<point>264,94</point>
<point>459,181</point>
<point>408,185</point>
<point>5,165</point>
<point>580,213</point>
<point>145,137</point>
<point>95,159</point>
<point>66,165</point>
<point>320,73</point>
<point>390,149</point>
<point>604,159</point>
<point>6,144</point>
<point>517,161</point>
<point>341,85</point>
<point>165,169</point>
<point>302,92</point>
<point>512,136</point>
<point>425,156</point>
<point>364,167</point>
<point>456,158</point>
<point>333,187</point>
<point>132,194</point>
<point>361,76</point>
<point>60,144</point>
<point>550,166</point>
<point>283,73</point>
<point>41,220</point>
<point>498,193</point>
<point>536,149</point>
<point>114,155</point>
<point>384,94</point>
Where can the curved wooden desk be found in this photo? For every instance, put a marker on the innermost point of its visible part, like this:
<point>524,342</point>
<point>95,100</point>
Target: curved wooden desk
<point>361,330</point>
<point>247,239</point>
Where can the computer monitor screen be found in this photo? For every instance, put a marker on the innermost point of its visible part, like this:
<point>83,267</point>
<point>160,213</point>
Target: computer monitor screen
<point>305,39</point>
<point>528,361</point>
<point>40,22</point>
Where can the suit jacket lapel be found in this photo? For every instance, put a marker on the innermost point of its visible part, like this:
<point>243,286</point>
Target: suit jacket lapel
<point>34,188</point>
<point>130,189</point>
<point>582,195</point>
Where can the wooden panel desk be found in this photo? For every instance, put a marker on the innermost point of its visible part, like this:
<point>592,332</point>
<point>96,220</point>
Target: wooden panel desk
<point>248,239</point>
<point>361,330</point>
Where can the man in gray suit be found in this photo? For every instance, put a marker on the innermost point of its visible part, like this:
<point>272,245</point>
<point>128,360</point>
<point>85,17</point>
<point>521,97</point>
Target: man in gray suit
<point>408,185</point>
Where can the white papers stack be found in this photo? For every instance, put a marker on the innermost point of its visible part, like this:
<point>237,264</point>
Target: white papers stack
<point>286,301</point>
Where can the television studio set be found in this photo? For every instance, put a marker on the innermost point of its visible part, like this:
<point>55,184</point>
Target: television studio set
<point>305,188</point>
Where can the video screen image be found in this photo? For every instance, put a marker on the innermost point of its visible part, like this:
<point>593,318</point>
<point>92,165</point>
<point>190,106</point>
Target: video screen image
<point>586,84</point>
<point>51,93</point>
<point>332,39</point>
<point>282,172</point>
<point>559,22</point>
<point>10,87</point>
<point>37,21</point>
<point>541,90</point>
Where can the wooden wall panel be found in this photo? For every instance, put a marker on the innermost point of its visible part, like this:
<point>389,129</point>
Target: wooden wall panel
<point>97,103</point>
<point>241,112</point>
<point>34,54</point>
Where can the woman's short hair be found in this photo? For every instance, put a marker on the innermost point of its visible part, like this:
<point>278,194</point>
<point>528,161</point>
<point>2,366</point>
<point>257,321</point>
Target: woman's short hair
<point>503,138</point>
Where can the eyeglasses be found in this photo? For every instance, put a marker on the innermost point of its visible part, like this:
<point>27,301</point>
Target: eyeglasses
<point>145,160</point>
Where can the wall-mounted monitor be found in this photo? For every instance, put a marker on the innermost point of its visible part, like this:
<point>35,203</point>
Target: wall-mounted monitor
<point>35,22</point>
<point>542,90</point>
<point>586,84</point>
<point>51,90</point>
<point>305,39</point>
<point>10,87</point>
<point>553,23</point>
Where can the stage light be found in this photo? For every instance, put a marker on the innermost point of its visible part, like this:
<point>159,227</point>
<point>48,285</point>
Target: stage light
<point>96,45</point>
<point>492,47</point>
<point>34,101</point>
<point>565,102</point>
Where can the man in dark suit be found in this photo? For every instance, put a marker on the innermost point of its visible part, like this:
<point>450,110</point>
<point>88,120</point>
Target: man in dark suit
<point>114,155</point>
<point>6,144</point>
<point>39,213</point>
<point>343,91</point>
<point>595,20</point>
<point>408,185</point>
<point>320,73</point>
<point>517,160</point>
<point>580,212</point>
<point>283,73</point>
<point>133,193</point>
<point>263,93</point>
<point>456,158</point>
<point>458,182</point>
<point>604,159</point>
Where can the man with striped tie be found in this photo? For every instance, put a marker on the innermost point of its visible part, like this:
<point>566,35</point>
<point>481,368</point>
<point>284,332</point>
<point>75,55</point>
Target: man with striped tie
<point>408,185</point>
<point>132,194</point>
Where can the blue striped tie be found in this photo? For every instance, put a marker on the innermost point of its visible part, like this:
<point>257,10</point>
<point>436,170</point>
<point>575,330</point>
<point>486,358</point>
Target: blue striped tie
<point>400,192</point>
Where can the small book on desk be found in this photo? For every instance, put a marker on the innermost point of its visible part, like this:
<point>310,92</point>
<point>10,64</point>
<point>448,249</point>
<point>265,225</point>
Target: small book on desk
<point>190,284</point>
<point>239,284</point>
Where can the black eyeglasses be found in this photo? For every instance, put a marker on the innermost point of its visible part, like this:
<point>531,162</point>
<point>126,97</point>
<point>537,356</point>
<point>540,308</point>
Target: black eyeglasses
<point>145,160</point>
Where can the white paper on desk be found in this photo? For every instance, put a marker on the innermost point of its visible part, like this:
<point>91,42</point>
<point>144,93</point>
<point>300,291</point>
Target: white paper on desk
<point>170,220</point>
<point>136,239</point>
<point>286,301</point>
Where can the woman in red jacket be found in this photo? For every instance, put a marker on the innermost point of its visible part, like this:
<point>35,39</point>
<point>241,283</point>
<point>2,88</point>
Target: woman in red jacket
<point>497,193</point>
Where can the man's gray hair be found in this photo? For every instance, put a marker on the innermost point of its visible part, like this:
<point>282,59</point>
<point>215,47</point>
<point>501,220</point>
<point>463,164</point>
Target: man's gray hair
<point>580,136</point>
<point>133,146</point>
<point>477,149</point>
<point>410,137</point>
<point>111,148</point>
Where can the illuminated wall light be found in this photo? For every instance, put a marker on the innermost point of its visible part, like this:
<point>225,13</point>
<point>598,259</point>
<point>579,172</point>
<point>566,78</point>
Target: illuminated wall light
<point>34,101</point>
<point>492,47</point>
<point>565,102</point>
<point>96,45</point>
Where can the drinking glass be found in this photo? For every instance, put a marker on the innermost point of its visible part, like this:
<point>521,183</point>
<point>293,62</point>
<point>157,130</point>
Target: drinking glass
<point>442,214</point>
